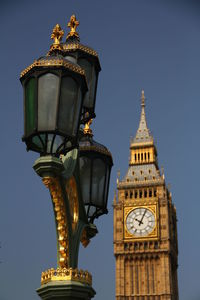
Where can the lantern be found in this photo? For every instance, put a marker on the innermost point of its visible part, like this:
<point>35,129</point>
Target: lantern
<point>54,89</point>
<point>95,164</point>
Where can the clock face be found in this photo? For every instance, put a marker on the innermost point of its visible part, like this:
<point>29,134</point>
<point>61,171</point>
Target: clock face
<point>140,222</point>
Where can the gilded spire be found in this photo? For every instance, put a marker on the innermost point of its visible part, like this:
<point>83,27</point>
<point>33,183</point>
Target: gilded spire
<point>143,133</point>
<point>73,24</point>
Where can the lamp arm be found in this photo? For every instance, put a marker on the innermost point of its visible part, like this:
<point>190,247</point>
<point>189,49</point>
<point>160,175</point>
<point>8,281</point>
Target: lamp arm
<point>61,177</point>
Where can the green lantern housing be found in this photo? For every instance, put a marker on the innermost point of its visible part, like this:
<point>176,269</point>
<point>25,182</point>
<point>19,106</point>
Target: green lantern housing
<point>87,59</point>
<point>95,164</point>
<point>53,96</point>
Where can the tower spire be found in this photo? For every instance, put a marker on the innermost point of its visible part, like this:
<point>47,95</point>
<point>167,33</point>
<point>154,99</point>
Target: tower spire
<point>142,99</point>
<point>143,133</point>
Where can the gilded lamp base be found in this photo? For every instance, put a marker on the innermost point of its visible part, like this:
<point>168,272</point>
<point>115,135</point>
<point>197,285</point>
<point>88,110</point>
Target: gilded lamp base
<point>66,274</point>
<point>66,284</point>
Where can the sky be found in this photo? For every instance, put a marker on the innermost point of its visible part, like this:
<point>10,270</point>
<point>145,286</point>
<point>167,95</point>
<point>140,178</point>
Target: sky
<point>151,45</point>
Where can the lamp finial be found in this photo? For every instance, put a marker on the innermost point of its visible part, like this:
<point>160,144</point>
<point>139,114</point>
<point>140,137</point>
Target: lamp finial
<point>87,129</point>
<point>56,35</point>
<point>73,24</point>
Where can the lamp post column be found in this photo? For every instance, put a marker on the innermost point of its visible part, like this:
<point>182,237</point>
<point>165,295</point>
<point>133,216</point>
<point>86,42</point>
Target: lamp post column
<point>65,282</point>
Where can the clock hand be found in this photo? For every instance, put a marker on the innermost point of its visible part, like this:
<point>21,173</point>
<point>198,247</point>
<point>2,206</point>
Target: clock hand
<point>140,222</point>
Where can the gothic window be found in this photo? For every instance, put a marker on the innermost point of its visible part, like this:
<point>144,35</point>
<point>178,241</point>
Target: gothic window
<point>131,195</point>
<point>150,193</point>
<point>148,156</point>
<point>140,194</point>
<point>147,277</point>
<point>156,245</point>
<point>136,194</point>
<point>126,246</point>
<point>135,157</point>
<point>126,195</point>
<point>153,278</point>
<point>142,156</point>
<point>145,156</point>
<point>145,193</point>
<point>154,193</point>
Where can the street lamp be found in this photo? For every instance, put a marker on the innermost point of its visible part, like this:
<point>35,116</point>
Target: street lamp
<point>59,95</point>
<point>95,165</point>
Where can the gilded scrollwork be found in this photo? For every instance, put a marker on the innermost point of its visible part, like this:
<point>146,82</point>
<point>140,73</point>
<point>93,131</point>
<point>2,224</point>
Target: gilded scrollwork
<point>53,184</point>
<point>84,238</point>
<point>72,194</point>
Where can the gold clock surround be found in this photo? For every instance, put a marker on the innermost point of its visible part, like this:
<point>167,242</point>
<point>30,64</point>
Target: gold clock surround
<point>152,235</point>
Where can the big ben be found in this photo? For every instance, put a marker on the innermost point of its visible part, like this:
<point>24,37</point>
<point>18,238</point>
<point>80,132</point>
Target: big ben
<point>145,232</point>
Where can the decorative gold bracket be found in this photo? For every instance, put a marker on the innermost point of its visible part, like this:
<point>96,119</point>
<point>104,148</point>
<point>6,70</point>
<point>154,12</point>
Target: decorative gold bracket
<point>53,184</point>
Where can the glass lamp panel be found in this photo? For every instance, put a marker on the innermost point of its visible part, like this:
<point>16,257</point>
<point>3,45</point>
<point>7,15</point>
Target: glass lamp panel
<point>68,113</point>
<point>48,86</point>
<point>106,188</point>
<point>30,105</point>
<point>93,85</point>
<point>53,143</point>
<point>38,143</point>
<point>92,211</point>
<point>91,81</point>
<point>98,182</point>
<point>77,112</point>
<point>85,176</point>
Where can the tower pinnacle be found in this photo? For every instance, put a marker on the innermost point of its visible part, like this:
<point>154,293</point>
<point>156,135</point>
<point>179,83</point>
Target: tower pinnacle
<point>143,133</point>
<point>142,99</point>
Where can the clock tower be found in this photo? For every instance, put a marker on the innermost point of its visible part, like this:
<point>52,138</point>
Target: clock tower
<point>145,233</point>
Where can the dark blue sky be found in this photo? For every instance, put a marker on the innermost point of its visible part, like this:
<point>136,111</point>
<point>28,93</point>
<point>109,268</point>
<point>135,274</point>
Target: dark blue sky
<point>151,45</point>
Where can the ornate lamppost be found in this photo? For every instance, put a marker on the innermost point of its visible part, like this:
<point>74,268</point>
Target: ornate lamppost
<point>59,100</point>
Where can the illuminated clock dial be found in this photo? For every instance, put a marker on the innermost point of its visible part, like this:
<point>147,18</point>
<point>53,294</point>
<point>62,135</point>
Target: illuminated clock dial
<point>140,222</point>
